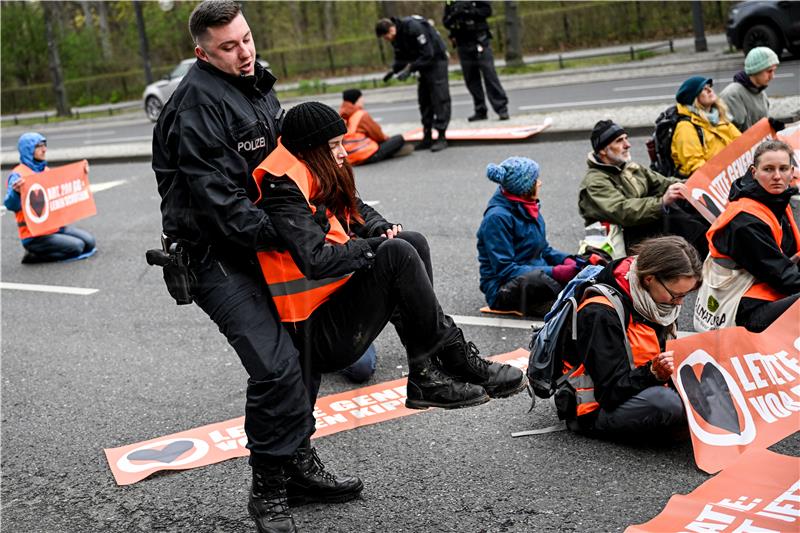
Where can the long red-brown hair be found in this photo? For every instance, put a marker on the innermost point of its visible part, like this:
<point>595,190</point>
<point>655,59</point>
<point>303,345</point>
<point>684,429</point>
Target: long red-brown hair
<point>336,186</point>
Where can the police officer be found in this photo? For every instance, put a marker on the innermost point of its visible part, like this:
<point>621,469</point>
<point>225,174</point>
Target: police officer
<point>220,123</point>
<point>469,33</point>
<point>418,47</point>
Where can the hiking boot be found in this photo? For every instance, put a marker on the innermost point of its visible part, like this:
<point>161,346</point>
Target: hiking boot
<point>461,360</point>
<point>430,387</point>
<point>426,142</point>
<point>503,115</point>
<point>308,481</point>
<point>268,505</point>
<point>440,143</point>
<point>477,116</point>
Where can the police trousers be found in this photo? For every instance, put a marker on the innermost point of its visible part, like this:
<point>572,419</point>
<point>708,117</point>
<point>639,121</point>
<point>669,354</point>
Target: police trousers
<point>433,94</point>
<point>480,64</point>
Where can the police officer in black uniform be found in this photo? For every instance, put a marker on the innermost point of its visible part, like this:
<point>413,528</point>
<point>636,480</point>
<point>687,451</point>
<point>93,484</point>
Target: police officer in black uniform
<point>220,123</point>
<point>418,47</point>
<point>470,34</point>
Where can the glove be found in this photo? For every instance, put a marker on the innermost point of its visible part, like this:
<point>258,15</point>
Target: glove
<point>388,76</point>
<point>776,124</point>
<point>404,74</point>
<point>563,273</point>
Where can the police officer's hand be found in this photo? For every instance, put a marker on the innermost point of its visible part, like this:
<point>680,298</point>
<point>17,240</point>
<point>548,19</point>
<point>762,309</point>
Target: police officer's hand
<point>404,74</point>
<point>662,366</point>
<point>17,186</point>
<point>388,76</point>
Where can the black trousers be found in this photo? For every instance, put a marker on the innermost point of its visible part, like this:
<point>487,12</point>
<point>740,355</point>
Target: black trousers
<point>684,220</point>
<point>398,288</point>
<point>757,315</point>
<point>531,294</point>
<point>386,149</point>
<point>433,94</point>
<point>278,414</point>
<point>478,69</point>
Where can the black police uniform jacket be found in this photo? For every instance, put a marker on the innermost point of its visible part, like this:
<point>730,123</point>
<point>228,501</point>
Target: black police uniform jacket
<point>215,129</point>
<point>467,22</point>
<point>417,44</point>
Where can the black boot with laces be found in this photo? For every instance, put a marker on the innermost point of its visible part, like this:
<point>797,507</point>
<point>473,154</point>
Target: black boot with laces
<point>268,505</point>
<point>428,386</point>
<point>310,482</point>
<point>461,360</point>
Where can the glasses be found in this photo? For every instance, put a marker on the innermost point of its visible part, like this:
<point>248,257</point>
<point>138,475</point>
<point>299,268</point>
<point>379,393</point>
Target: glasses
<point>674,298</point>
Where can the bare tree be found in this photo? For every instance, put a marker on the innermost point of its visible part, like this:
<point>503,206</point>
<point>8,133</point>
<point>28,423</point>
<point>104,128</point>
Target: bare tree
<point>328,20</point>
<point>387,9</point>
<point>513,25</point>
<point>62,107</point>
<point>105,32</point>
<point>144,48</point>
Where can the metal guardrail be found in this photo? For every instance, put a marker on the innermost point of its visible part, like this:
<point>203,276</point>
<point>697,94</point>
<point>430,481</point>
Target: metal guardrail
<point>74,111</point>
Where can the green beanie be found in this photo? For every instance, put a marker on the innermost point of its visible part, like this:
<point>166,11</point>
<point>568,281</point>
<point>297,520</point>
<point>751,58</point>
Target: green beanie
<point>758,59</point>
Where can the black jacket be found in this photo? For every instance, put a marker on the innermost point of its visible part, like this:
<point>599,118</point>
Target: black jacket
<point>467,22</point>
<point>748,241</point>
<point>210,136</point>
<point>417,43</point>
<point>302,233</point>
<point>601,340</point>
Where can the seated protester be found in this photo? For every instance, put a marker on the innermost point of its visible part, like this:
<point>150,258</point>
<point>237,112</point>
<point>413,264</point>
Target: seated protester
<point>706,114</point>
<point>746,98</point>
<point>624,398</point>
<point>365,141</point>
<point>346,272</point>
<point>757,232</point>
<point>63,244</point>
<point>519,270</point>
<point>619,191</point>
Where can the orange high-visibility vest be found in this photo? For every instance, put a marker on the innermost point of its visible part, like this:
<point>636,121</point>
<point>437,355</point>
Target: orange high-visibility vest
<point>759,290</point>
<point>644,347</point>
<point>296,296</point>
<point>22,225</point>
<point>359,147</point>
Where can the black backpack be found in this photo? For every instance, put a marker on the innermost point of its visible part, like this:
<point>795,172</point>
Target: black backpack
<point>659,145</point>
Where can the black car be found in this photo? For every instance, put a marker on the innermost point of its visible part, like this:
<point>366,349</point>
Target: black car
<point>774,23</point>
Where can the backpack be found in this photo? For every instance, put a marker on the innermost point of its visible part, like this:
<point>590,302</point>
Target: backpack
<point>555,341</point>
<point>659,145</point>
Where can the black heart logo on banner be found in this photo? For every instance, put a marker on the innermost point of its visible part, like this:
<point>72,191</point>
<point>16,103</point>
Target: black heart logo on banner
<point>37,200</point>
<point>710,397</point>
<point>167,454</point>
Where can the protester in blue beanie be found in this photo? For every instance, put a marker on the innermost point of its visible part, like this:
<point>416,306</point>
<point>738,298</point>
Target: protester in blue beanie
<point>520,272</point>
<point>64,243</point>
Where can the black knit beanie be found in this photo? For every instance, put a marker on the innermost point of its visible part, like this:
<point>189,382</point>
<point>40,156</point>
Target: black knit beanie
<point>604,132</point>
<point>351,95</point>
<point>310,124</point>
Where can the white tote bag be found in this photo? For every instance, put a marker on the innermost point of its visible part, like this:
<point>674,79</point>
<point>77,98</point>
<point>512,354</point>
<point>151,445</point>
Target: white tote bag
<point>719,295</point>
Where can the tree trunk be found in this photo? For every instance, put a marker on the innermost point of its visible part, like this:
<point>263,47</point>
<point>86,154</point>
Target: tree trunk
<point>513,46</point>
<point>387,9</point>
<point>105,32</point>
<point>88,19</point>
<point>62,107</point>
<point>328,20</point>
<point>144,48</point>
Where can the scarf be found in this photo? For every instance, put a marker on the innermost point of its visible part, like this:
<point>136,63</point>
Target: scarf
<point>662,314</point>
<point>712,115</point>
<point>530,206</point>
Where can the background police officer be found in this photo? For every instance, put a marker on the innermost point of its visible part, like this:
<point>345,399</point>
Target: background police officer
<point>220,123</point>
<point>470,34</point>
<point>418,47</point>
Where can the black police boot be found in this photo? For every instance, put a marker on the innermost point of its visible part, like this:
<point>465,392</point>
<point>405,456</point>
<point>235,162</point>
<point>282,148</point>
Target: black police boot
<point>503,115</point>
<point>478,116</point>
<point>461,361</point>
<point>427,141</point>
<point>440,143</point>
<point>428,386</point>
<point>268,505</point>
<point>310,482</point>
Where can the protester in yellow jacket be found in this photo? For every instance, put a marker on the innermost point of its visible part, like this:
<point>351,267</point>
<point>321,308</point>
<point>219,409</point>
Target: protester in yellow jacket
<point>698,101</point>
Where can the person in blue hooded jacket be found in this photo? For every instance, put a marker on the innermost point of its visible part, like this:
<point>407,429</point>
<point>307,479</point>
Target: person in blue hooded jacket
<point>66,242</point>
<point>519,270</point>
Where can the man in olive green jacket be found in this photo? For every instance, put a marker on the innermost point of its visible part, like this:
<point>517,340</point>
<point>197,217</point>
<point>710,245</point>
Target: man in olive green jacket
<point>619,191</point>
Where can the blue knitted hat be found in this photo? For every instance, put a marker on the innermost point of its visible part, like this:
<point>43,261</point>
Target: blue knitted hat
<point>516,175</point>
<point>690,88</point>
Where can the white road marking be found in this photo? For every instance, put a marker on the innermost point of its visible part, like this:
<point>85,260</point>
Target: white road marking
<point>517,323</point>
<point>97,187</point>
<point>601,102</point>
<point>413,107</point>
<point>675,85</point>
<point>119,140</point>
<point>82,133</point>
<point>47,288</point>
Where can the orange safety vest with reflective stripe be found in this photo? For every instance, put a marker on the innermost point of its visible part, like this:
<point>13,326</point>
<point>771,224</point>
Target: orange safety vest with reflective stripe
<point>644,346</point>
<point>296,296</point>
<point>759,290</point>
<point>22,225</point>
<point>359,147</point>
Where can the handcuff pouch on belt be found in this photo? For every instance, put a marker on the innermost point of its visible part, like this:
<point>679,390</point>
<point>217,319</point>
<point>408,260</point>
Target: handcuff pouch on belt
<point>172,258</point>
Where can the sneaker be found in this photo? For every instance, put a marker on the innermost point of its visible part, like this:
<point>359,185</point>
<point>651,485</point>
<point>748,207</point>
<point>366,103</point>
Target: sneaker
<point>426,142</point>
<point>405,150</point>
<point>268,505</point>
<point>477,116</point>
<point>309,482</point>
<point>439,145</point>
<point>461,360</point>
<point>430,387</point>
<point>503,116</point>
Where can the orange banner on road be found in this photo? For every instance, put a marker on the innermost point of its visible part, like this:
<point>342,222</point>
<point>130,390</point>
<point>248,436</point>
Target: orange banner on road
<point>759,493</point>
<point>484,134</point>
<point>225,440</point>
<point>57,197</point>
<point>741,390</point>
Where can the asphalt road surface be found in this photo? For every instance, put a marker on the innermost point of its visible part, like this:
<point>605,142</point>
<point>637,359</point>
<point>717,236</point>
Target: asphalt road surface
<point>530,99</point>
<point>125,364</point>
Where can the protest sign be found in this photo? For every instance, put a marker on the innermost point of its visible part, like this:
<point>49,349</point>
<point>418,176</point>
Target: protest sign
<point>225,440</point>
<point>759,493</point>
<point>57,197</point>
<point>741,390</point>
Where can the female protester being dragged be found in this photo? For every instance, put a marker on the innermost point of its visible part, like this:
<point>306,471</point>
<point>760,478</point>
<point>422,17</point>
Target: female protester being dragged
<point>757,233</point>
<point>520,271</point>
<point>625,394</point>
<point>345,270</point>
<point>704,129</point>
